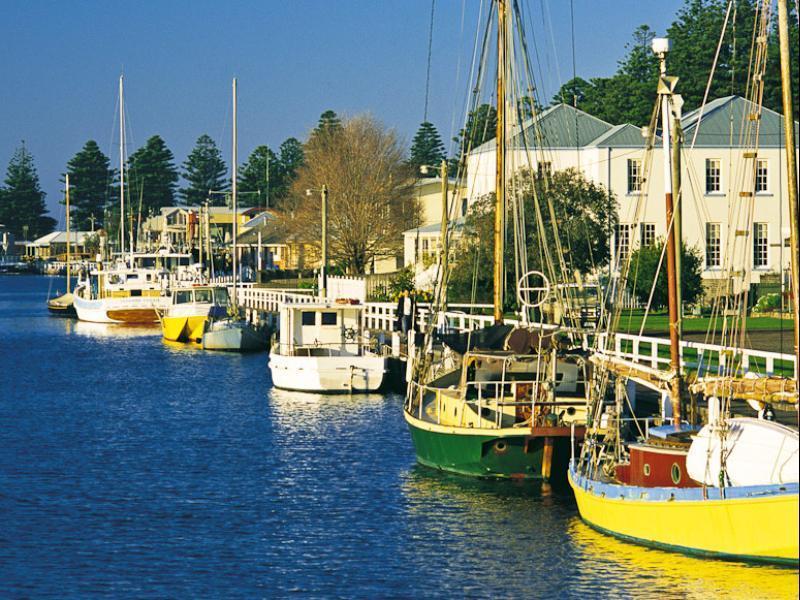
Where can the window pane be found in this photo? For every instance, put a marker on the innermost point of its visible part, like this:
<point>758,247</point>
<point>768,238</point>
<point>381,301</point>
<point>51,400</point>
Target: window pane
<point>713,175</point>
<point>221,296</point>
<point>329,318</point>
<point>762,176</point>
<point>713,245</point>
<point>202,296</point>
<point>648,234</point>
<point>183,297</point>
<point>634,175</point>
<point>308,317</point>
<point>760,245</point>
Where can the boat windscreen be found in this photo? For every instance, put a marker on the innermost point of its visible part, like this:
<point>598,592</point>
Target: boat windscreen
<point>221,296</point>
<point>183,297</point>
<point>203,296</point>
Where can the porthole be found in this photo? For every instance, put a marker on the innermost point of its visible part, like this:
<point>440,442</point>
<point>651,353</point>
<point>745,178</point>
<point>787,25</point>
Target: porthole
<point>500,446</point>
<point>646,470</point>
<point>676,473</point>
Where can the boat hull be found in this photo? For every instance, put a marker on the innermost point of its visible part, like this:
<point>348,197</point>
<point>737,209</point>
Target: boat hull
<point>758,523</point>
<point>184,329</point>
<point>135,310</point>
<point>234,339</point>
<point>507,453</point>
<point>62,306</point>
<point>328,374</point>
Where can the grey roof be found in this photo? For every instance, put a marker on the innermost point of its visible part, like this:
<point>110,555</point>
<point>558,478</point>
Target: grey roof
<point>621,136</point>
<point>722,122</point>
<point>557,127</point>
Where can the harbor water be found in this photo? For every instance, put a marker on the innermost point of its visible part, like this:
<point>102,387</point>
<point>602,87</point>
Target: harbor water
<point>133,468</point>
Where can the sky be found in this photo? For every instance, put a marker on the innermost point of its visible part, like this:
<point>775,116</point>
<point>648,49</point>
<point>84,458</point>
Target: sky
<point>60,63</point>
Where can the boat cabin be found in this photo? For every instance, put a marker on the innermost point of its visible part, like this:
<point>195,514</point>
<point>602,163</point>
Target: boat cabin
<point>201,295</point>
<point>321,329</point>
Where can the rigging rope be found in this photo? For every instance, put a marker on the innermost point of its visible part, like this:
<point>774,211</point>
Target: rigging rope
<point>428,72</point>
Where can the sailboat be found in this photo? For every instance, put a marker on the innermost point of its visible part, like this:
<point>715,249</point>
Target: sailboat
<point>233,333</point>
<point>725,488</point>
<point>133,288</point>
<point>504,401</point>
<point>62,305</point>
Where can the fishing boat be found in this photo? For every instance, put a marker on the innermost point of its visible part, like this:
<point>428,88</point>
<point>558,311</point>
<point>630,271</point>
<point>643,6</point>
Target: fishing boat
<point>322,349</point>
<point>234,333</point>
<point>507,400</point>
<point>62,305</point>
<point>725,487</point>
<point>192,308</point>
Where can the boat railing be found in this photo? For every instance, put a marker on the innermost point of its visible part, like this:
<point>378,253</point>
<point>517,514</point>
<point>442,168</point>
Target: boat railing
<point>329,349</point>
<point>491,395</point>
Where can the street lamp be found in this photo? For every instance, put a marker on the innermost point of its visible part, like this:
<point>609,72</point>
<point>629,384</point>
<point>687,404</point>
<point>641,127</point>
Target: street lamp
<point>323,191</point>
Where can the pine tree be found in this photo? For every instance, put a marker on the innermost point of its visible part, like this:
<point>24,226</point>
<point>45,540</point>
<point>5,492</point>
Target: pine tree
<point>204,170</point>
<point>22,207</point>
<point>426,148</point>
<point>292,158</point>
<point>91,181</point>
<point>256,187</point>
<point>151,177</point>
<point>328,126</point>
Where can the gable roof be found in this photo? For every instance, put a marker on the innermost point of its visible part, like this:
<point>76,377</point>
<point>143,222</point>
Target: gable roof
<point>721,125</point>
<point>621,136</point>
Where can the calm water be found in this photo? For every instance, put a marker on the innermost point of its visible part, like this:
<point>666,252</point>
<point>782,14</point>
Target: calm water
<point>129,468</point>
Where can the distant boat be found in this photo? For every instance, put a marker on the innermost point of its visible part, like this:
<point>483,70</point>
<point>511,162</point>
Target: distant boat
<point>63,305</point>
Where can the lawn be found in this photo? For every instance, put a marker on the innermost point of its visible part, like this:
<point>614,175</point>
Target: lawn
<point>658,323</point>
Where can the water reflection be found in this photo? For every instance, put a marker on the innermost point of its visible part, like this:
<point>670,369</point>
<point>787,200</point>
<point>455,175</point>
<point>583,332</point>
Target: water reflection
<point>109,330</point>
<point>673,574</point>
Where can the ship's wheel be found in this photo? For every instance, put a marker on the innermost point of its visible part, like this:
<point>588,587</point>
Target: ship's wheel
<point>533,288</point>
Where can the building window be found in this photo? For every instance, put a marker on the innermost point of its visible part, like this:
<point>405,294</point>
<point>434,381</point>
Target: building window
<point>762,176</point>
<point>713,176</point>
<point>634,175</point>
<point>760,245</point>
<point>713,246</point>
<point>647,234</point>
<point>464,207</point>
<point>623,242</point>
<point>544,169</point>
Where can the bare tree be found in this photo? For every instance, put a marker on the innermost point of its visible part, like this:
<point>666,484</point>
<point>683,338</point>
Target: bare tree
<point>370,200</point>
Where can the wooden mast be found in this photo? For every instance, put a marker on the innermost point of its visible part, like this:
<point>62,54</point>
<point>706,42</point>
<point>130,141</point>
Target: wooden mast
<point>69,272</point>
<point>234,199</point>
<point>791,172</point>
<point>666,86</point>
<point>500,187</point>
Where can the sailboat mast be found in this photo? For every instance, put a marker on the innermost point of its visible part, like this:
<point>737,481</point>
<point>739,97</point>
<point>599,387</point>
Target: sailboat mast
<point>233,194</point>
<point>665,88</point>
<point>500,186</point>
<point>69,273</point>
<point>791,171</point>
<point>121,166</point>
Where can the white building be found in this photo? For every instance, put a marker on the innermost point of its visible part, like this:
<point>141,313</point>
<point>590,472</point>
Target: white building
<point>721,174</point>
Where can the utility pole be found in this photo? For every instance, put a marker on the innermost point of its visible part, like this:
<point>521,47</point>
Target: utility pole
<point>791,172</point>
<point>666,86</point>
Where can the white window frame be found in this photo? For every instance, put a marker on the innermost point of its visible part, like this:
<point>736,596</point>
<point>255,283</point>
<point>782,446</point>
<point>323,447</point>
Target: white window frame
<point>718,191</point>
<point>621,256</point>
<point>713,246</point>
<point>766,190</point>
<point>644,228</point>
<point>634,184</point>
<point>760,247</point>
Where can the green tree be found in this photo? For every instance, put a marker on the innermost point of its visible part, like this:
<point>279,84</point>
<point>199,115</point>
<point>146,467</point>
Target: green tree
<point>426,149</point>
<point>644,265</point>
<point>329,124</point>
<point>259,188</point>
<point>91,182</point>
<point>152,177</point>
<point>204,170</point>
<point>480,128</point>
<point>22,207</point>
<point>292,157</point>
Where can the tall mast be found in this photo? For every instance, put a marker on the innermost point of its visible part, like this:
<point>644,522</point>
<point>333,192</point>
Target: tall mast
<point>233,196</point>
<point>666,85</point>
<point>69,273</point>
<point>500,186</point>
<point>791,172</point>
<point>121,166</point>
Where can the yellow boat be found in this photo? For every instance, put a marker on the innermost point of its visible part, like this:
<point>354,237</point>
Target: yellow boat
<point>756,523</point>
<point>192,307</point>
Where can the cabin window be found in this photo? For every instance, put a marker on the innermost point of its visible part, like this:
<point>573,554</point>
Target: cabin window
<point>329,318</point>
<point>203,296</point>
<point>183,297</point>
<point>221,296</point>
<point>308,317</point>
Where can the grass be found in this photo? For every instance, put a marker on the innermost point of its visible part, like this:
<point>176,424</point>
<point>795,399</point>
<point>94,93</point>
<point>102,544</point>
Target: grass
<point>658,323</point>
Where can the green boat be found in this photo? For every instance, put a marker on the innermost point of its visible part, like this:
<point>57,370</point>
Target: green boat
<point>504,401</point>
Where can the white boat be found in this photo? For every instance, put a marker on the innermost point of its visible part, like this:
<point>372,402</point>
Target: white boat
<point>321,349</point>
<point>132,290</point>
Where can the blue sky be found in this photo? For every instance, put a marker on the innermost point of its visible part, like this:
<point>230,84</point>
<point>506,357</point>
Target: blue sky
<point>294,59</point>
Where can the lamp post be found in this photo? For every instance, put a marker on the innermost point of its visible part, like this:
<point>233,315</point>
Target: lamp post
<point>323,287</point>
